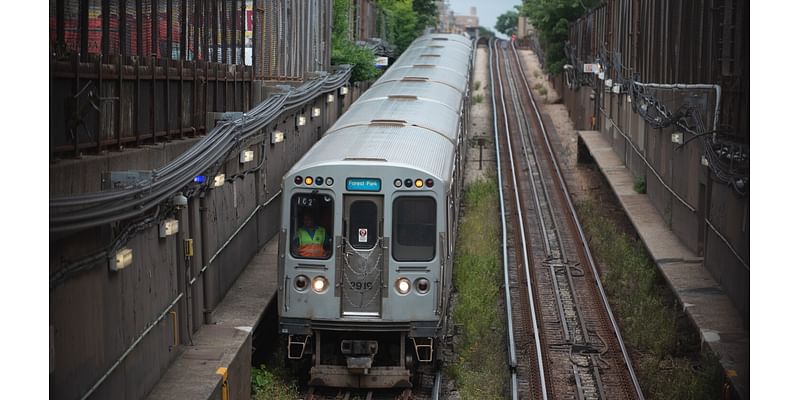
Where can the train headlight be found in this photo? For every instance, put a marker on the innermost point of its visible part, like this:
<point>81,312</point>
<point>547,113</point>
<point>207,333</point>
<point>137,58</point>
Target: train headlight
<point>402,285</point>
<point>418,183</point>
<point>301,283</point>
<point>319,284</point>
<point>422,285</point>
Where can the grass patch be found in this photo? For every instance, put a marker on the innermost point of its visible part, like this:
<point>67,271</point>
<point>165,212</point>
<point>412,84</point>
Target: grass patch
<point>477,85</point>
<point>670,364</point>
<point>640,185</point>
<point>267,383</point>
<point>477,99</point>
<point>480,370</point>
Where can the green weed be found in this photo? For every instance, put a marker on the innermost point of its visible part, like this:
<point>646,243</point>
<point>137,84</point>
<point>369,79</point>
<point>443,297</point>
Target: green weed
<point>670,364</point>
<point>479,372</point>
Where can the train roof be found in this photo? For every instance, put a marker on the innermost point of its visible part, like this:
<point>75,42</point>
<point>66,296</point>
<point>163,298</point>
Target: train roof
<point>409,117</point>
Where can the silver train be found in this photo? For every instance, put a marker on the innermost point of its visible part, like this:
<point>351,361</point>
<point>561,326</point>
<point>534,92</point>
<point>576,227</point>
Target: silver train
<point>369,216</point>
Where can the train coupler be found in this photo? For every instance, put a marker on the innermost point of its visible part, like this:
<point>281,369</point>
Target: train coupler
<point>360,354</point>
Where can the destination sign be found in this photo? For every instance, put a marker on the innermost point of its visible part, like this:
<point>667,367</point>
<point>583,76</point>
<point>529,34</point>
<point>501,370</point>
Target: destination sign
<point>364,184</point>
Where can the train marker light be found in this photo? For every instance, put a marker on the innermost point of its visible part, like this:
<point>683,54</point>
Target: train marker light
<point>301,120</point>
<point>408,183</point>
<point>422,285</point>
<point>246,156</point>
<point>298,180</point>
<point>329,181</point>
<point>277,137</point>
<point>316,112</point>
<point>301,282</point>
<point>219,180</point>
<point>309,180</point>
<point>403,285</point>
<point>418,183</point>
<point>319,284</point>
<point>398,182</point>
<point>429,182</point>
<point>318,181</point>
<point>122,259</point>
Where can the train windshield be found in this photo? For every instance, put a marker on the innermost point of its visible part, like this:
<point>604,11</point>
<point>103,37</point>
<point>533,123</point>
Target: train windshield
<point>312,225</point>
<point>414,230</point>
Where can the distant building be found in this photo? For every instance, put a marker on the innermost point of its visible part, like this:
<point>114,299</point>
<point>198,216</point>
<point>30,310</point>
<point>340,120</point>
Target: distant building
<point>451,22</point>
<point>524,27</point>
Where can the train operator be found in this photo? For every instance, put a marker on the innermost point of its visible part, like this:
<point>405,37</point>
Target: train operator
<point>311,240</point>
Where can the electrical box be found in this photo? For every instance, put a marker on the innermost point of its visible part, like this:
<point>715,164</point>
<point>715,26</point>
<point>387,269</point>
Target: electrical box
<point>120,179</point>
<point>168,228</point>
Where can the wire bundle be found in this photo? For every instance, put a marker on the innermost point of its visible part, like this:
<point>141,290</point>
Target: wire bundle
<point>75,212</point>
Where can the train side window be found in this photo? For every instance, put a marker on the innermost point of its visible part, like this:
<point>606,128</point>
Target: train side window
<point>312,225</point>
<point>414,229</point>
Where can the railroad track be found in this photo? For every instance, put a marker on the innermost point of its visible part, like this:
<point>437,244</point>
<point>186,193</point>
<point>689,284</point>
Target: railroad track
<point>564,342</point>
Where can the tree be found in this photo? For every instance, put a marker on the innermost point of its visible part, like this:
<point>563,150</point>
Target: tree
<point>401,22</point>
<point>551,19</point>
<point>483,32</point>
<point>427,13</point>
<point>507,22</point>
<point>346,52</point>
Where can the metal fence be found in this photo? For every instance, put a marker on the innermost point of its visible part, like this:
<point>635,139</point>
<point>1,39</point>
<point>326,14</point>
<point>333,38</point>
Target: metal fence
<point>292,38</point>
<point>681,41</point>
<point>131,72</point>
<point>673,101</point>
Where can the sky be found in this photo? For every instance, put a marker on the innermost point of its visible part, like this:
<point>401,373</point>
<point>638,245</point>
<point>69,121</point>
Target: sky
<point>488,10</point>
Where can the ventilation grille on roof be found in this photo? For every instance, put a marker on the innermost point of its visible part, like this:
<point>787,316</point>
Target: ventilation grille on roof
<point>402,97</point>
<point>393,122</point>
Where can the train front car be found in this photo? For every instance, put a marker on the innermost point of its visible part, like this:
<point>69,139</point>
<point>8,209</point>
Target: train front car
<point>368,224</point>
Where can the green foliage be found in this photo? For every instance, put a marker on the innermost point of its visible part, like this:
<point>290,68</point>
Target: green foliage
<point>640,185</point>
<point>479,370</point>
<point>268,384</point>
<point>551,19</point>
<point>477,85</point>
<point>670,365</point>
<point>344,51</point>
<point>507,22</point>
<point>401,22</point>
<point>362,60</point>
<point>477,98</point>
<point>427,13</point>
<point>483,32</point>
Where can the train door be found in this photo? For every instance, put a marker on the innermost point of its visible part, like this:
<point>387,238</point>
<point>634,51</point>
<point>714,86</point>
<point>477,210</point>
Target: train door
<point>362,269</point>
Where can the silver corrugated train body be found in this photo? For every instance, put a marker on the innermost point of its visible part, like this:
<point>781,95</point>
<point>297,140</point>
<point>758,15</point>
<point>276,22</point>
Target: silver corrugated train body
<point>368,224</point>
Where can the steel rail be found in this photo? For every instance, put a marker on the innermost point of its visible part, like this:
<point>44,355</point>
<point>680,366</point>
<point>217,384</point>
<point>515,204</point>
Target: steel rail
<point>578,327</point>
<point>512,347</point>
<point>584,241</point>
<point>520,221</point>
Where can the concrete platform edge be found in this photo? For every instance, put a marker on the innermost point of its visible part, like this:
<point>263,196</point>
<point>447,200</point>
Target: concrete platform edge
<point>227,343</point>
<point>718,323</point>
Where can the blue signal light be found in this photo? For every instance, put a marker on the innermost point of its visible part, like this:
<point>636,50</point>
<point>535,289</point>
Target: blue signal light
<point>199,179</point>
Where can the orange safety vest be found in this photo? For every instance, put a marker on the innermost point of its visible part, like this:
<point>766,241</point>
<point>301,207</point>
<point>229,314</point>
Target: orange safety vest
<point>311,246</point>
